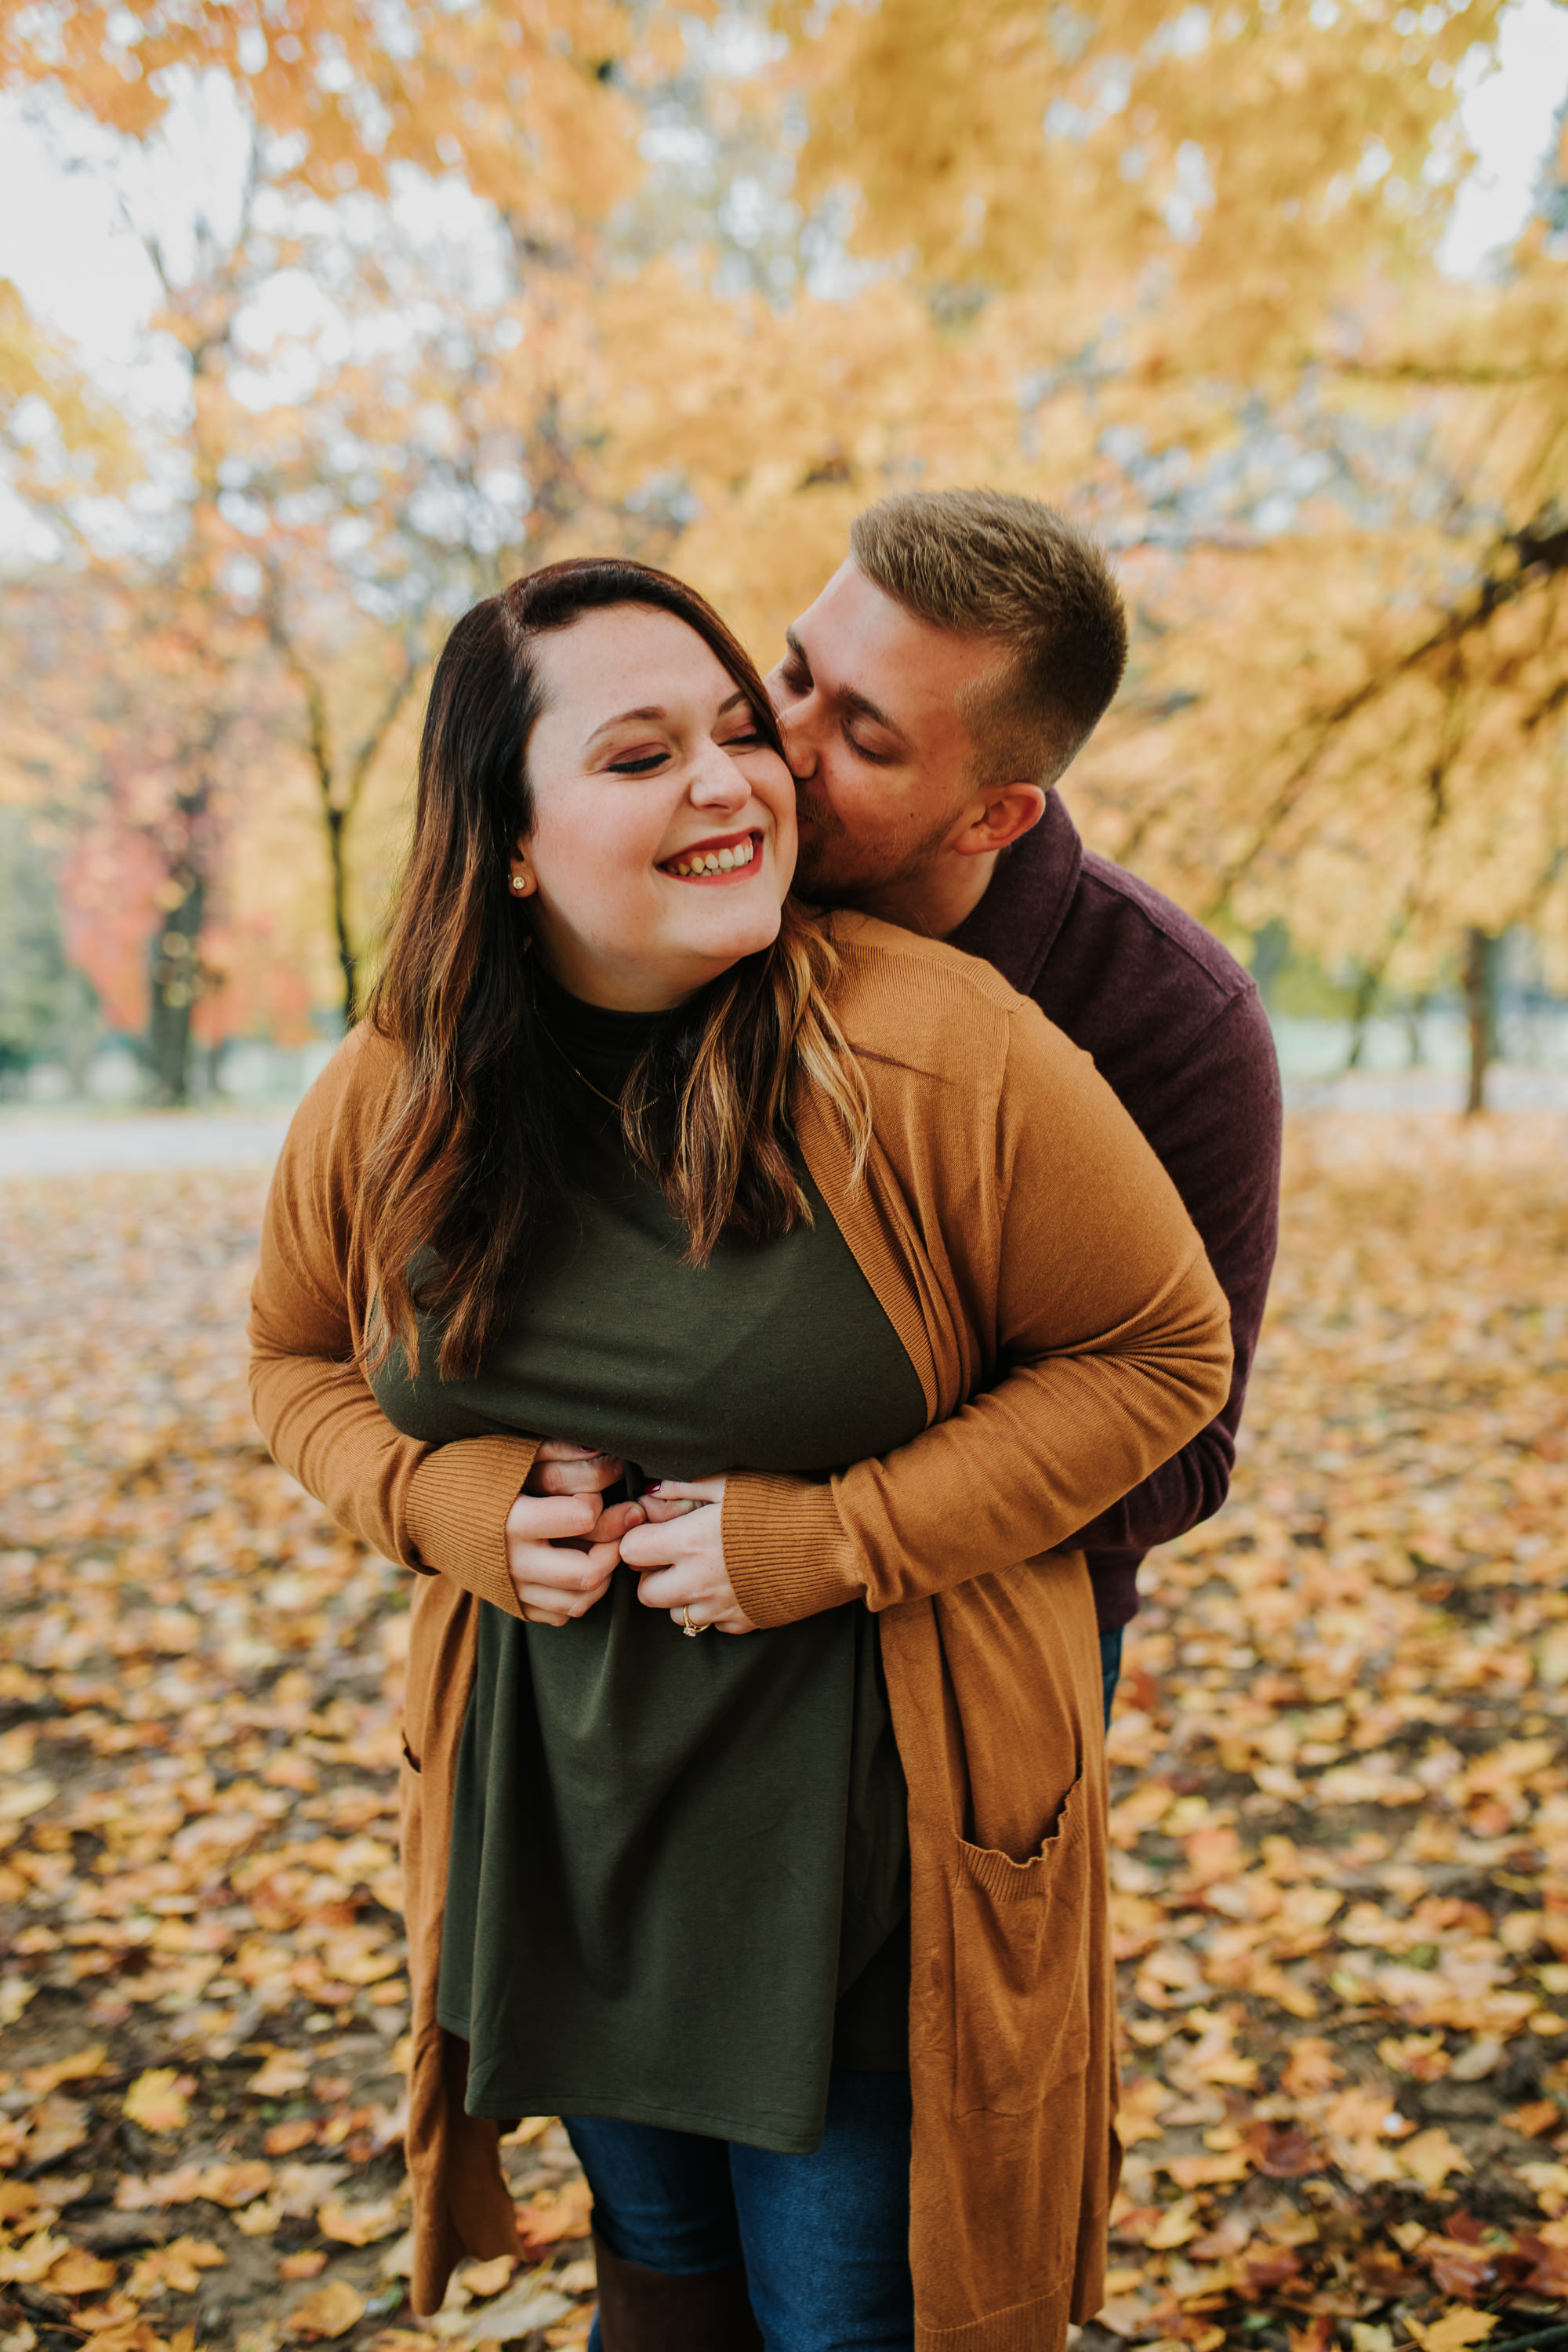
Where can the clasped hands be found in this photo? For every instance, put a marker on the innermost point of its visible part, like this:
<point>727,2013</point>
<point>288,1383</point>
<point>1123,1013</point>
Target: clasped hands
<point>563,1542</point>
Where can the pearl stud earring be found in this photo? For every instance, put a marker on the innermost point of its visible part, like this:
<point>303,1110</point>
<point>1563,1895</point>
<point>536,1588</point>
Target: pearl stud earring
<point>520,883</point>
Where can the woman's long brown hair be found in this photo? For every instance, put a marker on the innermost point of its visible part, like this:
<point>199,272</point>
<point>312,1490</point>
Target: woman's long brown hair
<point>468,1167</point>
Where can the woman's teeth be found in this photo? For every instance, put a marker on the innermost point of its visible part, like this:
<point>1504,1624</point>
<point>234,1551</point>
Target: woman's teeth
<point>713,861</point>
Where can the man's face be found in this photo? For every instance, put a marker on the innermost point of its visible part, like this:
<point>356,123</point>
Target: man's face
<point>868,698</point>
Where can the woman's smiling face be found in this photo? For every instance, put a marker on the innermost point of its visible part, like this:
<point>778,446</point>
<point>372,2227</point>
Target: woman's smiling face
<point>663,836</point>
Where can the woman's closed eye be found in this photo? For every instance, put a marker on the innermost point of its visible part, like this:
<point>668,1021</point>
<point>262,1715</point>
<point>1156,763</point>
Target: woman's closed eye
<point>639,763</point>
<point>645,760</point>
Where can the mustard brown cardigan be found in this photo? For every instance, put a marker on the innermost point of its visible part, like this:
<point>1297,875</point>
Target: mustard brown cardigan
<point>1039,1267</point>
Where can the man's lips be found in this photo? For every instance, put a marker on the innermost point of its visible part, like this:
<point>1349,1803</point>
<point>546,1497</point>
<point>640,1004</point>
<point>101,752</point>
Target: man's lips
<point>722,858</point>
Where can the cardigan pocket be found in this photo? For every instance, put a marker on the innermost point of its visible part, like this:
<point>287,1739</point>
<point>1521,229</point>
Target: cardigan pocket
<point>1021,1987</point>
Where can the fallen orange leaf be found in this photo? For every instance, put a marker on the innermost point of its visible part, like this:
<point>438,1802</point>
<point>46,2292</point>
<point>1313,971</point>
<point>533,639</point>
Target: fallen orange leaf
<point>558,2213</point>
<point>80,2273</point>
<point>75,2069</point>
<point>364,2225</point>
<point>1454,2331</point>
<point>158,2100</point>
<point>1431,2156</point>
<point>177,2267</point>
<point>309,2263</point>
<point>330,2312</point>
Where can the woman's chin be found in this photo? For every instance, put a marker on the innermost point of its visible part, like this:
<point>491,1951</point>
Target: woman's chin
<point>635,966</point>
<point>727,936</point>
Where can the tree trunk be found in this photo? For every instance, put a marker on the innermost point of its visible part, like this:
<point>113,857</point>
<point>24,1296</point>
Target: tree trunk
<point>1414,1016</point>
<point>175,976</point>
<point>1481,959</point>
<point>1360,1014</point>
<point>337,825</point>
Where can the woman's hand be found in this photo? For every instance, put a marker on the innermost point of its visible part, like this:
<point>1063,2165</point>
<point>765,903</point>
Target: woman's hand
<point>562,1546</point>
<point>560,1468</point>
<point>678,1553</point>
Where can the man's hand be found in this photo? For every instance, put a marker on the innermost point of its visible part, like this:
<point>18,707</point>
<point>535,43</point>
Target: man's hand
<point>562,1546</point>
<point>678,1553</point>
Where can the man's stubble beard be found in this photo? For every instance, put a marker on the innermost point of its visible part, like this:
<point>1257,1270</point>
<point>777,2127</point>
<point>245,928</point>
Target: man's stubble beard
<point>837,868</point>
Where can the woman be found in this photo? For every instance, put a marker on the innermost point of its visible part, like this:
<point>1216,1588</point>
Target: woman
<point>869,1276</point>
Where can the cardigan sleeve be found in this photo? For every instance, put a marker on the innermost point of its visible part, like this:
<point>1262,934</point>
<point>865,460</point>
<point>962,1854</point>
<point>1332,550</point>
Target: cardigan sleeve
<point>1110,1348</point>
<point>438,1509</point>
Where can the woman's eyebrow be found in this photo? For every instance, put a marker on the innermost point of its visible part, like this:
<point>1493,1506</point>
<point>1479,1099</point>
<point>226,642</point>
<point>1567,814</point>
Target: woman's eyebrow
<point>656,711</point>
<point>649,710</point>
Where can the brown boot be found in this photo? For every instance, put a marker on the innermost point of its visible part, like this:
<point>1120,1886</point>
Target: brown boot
<point>660,2311</point>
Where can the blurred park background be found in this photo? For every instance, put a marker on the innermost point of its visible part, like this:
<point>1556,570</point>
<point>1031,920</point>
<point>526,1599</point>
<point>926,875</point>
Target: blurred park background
<point>318,321</point>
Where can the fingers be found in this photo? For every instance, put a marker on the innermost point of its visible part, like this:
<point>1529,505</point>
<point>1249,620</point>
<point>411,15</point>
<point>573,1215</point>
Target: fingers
<point>555,1586</point>
<point>550,1519</point>
<point>589,1478</point>
<point>565,1569</point>
<point>559,1469</point>
<point>562,1548</point>
<point>540,1607</point>
<point>694,1490</point>
<point>679,1588</point>
<point>709,1597</point>
<point>674,1528</point>
<point>658,1543</point>
<point>617,1521</point>
<point>679,1591</point>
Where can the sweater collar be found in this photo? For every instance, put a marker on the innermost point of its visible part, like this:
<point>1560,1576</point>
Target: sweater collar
<point>1015,925</point>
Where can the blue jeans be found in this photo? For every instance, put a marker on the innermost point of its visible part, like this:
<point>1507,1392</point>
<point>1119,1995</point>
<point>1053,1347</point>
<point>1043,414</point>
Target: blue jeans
<point>1111,1666</point>
<point>824,2237</point>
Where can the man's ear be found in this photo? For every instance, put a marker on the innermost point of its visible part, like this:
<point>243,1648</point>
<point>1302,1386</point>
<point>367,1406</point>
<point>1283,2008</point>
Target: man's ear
<point>1006,811</point>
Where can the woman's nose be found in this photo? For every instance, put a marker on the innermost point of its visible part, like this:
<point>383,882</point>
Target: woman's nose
<point>718,782</point>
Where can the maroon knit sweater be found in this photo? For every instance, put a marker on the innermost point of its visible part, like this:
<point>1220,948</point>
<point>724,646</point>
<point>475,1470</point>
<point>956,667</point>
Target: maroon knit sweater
<point>1177,1032</point>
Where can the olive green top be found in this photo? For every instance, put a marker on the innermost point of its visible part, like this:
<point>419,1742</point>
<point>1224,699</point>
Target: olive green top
<point>678,1877</point>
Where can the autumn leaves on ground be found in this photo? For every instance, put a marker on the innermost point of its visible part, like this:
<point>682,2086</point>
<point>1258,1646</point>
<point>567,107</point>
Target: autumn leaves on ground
<point>1340,1838</point>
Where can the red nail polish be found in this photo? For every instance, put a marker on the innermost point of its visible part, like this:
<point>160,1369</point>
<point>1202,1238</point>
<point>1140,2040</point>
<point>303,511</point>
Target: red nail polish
<point>654,1486</point>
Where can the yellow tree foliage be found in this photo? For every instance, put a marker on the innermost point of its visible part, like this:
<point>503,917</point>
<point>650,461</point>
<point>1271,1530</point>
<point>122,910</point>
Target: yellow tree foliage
<point>1363,731</point>
<point>518,101</point>
<point>1152,262</point>
<point>1218,179</point>
<point>1154,226</point>
<point>528,109</point>
<point>56,432</point>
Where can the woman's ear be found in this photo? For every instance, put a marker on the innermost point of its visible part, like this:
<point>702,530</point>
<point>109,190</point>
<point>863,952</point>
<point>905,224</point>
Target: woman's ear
<point>524,881</point>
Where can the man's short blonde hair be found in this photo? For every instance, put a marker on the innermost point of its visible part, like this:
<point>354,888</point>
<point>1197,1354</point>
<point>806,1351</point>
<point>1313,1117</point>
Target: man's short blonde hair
<point>987,564</point>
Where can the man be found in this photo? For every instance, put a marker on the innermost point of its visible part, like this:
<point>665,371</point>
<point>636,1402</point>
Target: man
<point>931,700</point>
